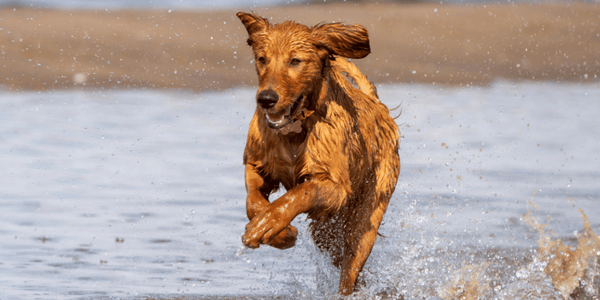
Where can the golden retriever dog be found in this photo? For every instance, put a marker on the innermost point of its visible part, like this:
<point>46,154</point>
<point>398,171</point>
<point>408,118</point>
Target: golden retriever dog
<point>319,130</point>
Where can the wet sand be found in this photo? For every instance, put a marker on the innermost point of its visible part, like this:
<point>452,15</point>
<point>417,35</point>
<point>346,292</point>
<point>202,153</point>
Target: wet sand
<point>42,49</point>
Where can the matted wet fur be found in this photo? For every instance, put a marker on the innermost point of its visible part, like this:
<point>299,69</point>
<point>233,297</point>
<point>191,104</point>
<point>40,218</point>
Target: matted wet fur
<point>333,146</point>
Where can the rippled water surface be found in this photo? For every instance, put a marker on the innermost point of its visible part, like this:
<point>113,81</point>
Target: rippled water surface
<point>129,194</point>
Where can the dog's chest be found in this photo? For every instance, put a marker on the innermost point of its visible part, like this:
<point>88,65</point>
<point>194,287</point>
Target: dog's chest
<point>285,164</point>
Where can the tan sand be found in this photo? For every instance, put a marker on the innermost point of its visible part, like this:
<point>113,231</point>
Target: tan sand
<point>201,50</point>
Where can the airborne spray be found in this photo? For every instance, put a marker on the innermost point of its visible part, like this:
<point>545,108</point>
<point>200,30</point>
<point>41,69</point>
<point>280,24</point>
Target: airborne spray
<point>468,283</point>
<point>572,269</point>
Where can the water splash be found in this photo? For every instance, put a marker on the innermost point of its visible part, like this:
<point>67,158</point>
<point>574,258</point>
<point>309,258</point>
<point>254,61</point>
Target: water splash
<point>572,269</point>
<point>468,283</point>
<point>418,268</point>
<point>530,283</point>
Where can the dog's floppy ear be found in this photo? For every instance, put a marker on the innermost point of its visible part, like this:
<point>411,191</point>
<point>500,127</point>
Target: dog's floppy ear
<point>350,41</point>
<point>253,24</point>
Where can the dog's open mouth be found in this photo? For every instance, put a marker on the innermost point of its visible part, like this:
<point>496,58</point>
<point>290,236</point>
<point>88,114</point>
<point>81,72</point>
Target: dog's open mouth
<point>280,120</point>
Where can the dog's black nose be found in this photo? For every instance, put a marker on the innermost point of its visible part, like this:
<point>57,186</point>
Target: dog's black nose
<point>267,99</point>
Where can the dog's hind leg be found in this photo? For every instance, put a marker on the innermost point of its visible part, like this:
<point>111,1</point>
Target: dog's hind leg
<point>360,237</point>
<point>328,235</point>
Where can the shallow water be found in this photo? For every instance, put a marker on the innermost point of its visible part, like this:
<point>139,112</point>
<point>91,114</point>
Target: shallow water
<point>129,194</point>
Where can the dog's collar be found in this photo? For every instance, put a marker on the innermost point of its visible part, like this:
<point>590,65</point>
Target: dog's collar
<point>296,125</point>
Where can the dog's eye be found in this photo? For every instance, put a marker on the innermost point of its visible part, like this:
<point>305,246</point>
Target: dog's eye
<point>262,60</point>
<point>295,62</point>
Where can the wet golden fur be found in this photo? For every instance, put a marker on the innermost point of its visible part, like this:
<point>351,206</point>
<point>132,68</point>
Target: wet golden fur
<point>320,131</point>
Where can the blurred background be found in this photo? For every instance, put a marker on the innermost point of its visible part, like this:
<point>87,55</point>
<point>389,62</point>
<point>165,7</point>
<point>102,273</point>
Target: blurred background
<point>123,124</point>
<point>200,45</point>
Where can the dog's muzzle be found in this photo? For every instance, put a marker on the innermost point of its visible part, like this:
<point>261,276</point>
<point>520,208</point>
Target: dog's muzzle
<point>278,120</point>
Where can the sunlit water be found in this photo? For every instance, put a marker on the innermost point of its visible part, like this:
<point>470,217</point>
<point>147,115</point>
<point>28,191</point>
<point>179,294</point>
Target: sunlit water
<point>127,194</point>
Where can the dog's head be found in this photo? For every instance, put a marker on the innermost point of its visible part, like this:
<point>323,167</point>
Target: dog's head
<point>291,61</point>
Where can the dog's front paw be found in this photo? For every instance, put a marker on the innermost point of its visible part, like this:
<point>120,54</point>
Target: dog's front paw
<point>270,227</point>
<point>285,239</point>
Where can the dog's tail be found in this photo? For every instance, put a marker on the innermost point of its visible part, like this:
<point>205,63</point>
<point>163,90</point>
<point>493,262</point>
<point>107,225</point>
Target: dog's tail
<point>355,77</point>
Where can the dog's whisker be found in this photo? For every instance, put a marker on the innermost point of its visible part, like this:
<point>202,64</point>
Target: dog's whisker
<point>399,105</point>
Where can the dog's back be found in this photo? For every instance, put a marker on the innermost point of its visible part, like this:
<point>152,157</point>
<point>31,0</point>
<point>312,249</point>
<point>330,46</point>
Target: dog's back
<point>368,136</point>
<point>357,120</point>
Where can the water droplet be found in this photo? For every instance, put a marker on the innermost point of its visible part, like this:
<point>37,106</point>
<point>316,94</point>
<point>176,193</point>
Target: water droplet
<point>80,78</point>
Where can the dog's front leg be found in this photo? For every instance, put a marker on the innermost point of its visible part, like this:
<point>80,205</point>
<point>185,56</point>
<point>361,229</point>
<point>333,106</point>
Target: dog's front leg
<point>276,216</point>
<point>258,189</point>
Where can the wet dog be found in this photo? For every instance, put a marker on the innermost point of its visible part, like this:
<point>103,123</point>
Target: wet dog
<point>320,131</point>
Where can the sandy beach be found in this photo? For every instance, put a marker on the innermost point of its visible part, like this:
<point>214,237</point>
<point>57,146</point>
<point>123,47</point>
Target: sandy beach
<point>46,49</point>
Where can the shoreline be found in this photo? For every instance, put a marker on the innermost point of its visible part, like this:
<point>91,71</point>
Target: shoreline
<point>425,43</point>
